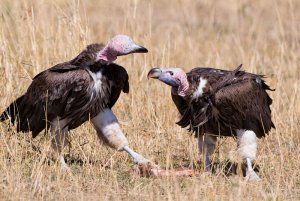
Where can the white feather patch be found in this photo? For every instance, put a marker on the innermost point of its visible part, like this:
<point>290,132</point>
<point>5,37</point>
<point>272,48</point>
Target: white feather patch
<point>97,80</point>
<point>199,91</point>
<point>247,145</point>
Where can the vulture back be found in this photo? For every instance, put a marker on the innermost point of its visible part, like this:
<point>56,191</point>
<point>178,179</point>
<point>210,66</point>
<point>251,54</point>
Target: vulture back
<point>68,92</point>
<point>230,100</point>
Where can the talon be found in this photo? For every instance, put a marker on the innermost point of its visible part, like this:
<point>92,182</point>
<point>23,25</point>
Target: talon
<point>63,164</point>
<point>143,161</point>
<point>64,167</point>
<point>251,176</point>
<point>139,159</point>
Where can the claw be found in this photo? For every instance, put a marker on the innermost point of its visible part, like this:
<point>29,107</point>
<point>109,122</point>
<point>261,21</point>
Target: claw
<point>64,167</point>
<point>63,164</point>
<point>251,176</point>
<point>140,160</point>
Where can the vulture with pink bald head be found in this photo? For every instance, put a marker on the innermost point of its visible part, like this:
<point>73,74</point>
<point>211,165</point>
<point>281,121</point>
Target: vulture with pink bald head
<point>68,94</point>
<point>214,102</point>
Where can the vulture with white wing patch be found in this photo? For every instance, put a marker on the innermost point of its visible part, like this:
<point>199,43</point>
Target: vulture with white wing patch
<point>214,102</point>
<point>68,94</point>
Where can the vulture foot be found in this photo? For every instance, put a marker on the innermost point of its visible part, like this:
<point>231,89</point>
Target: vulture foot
<point>63,164</point>
<point>139,159</point>
<point>251,176</point>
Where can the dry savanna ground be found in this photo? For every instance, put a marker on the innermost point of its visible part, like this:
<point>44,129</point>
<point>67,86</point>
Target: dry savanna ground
<point>263,35</point>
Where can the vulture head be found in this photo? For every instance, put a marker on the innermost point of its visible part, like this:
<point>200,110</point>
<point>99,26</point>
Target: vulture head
<point>175,77</point>
<point>118,46</point>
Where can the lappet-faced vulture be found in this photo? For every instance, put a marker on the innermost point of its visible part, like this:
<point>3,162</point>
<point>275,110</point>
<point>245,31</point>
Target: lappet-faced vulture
<point>68,94</point>
<point>214,102</point>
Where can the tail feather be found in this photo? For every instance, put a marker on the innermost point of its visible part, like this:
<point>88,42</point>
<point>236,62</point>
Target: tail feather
<point>12,112</point>
<point>25,117</point>
<point>3,116</point>
<point>15,113</point>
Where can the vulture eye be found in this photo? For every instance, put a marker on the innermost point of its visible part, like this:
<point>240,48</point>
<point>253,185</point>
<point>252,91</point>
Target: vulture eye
<point>171,73</point>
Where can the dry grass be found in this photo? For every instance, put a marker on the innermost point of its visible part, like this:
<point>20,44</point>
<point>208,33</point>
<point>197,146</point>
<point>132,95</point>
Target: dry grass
<point>263,35</point>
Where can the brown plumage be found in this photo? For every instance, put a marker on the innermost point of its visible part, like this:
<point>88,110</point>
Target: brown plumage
<point>66,91</point>
<point>219,101</point>
<point>88,56</point>
<point>231,100</point>
<point>214,102</point>
<point>68,94</point>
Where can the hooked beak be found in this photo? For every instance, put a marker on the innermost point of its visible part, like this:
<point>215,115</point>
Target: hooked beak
<point>154,73</point>
<point>139,49</point>
<point>164,76</point>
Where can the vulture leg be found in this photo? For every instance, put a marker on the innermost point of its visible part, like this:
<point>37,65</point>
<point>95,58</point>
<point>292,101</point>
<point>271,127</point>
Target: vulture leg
<point>59,138</point>
<point>109,131</point>
<point>137,158</point>
<point>247,148</point>
<point>206,146</point>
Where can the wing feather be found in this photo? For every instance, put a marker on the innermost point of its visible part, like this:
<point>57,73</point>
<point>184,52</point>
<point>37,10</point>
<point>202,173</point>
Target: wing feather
<point>233,100</point>
<point>247,105</point>
<point>66,91</point>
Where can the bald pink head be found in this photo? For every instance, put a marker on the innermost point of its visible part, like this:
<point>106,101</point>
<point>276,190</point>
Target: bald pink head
<point>118,46</point>
<point>174,77</point>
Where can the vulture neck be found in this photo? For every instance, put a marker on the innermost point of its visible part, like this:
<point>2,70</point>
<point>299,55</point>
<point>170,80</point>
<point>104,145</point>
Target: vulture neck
<point>182,89</point>
<point>107,54</point>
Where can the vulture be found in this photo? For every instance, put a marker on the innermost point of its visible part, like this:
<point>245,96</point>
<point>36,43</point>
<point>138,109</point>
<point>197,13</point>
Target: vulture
<point>68,94</point>
<point>214,102</point>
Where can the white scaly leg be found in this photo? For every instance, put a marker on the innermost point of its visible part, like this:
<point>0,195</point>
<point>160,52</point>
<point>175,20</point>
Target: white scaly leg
<point>59,139</point>
<point>251,174</point>
<point>247,148</point>
<point>63,164</point>
<point>206,146</point>
<point>137,158</point>
<point>109,130</point>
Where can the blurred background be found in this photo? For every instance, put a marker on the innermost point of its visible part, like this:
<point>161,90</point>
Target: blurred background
<point>262,35</point>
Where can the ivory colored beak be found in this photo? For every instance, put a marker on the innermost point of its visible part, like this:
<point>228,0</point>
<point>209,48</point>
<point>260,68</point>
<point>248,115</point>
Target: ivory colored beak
<point>154,73</point>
